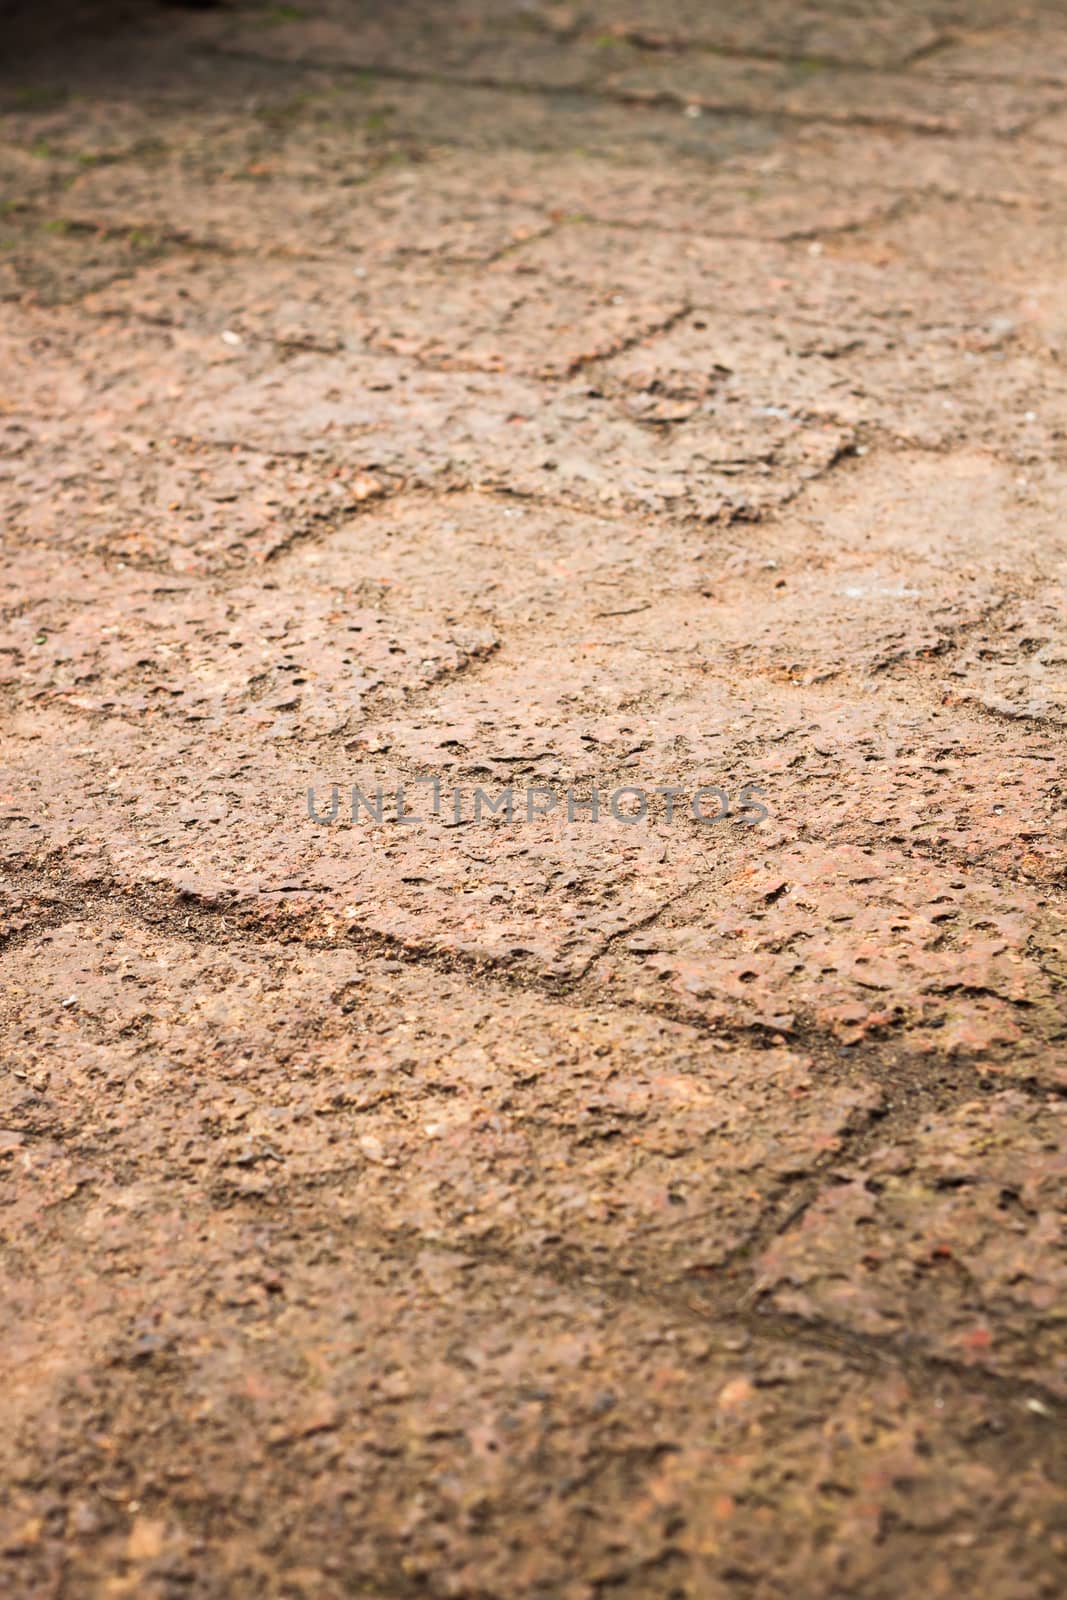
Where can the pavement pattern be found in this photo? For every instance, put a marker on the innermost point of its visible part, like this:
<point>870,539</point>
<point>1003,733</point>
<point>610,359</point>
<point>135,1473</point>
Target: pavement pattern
<point>632,394</point>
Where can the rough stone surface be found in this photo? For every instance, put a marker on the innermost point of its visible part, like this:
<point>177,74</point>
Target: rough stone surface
<point>578,399</point>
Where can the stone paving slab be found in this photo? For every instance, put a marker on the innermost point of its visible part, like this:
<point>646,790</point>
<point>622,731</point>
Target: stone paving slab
<point>743,197</point>
<point>619,403</point>
<point>887,35</point>
<point>1034,53</point>
<point>236,210</point>
<point>375,1078</point>
<point>1021,672</point>
<point>864,161</point>
<point>490,324</point>
<point>558,1408</point>
<point>148,647</point>
<point>47,261</point>
<point>959,961</point>
<point>427,1362</point>
<point>168,504</point>
<point>972,1213</point>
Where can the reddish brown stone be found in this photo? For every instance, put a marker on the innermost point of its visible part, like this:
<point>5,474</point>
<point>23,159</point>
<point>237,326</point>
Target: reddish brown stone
<point>954,1237</point>
<point>602,397</point>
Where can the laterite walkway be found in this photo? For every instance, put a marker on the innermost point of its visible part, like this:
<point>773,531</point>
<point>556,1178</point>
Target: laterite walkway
<point>628,394</point>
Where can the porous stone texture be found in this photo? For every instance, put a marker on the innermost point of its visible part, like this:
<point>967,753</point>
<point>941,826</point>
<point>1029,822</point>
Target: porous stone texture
<point>418,1200</point>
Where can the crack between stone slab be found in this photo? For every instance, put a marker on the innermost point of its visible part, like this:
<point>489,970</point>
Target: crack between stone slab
<point>709,1302</point>
<point>726,513</point>
<point>651,98</point>
<point>649,920</point>
<point>417,361</point>
<point>1019,720</point>
<point>668,516</point>
<point>806,1036</point>
<point>654,44</point>
<point>922,52</point>
<point>900,666</point>
<point>990,875</point>
<point>855,833</point>
<point>1027,1422</point>
<point>916,1357</point>
<point>745,1304</point>
<point>317,530</point>
<point>712,1300</point>
<point>172,240</point>
<point>155,154</point>
<point>910,1097</point>
<point>193,919</point>
<point>659,43</point>
<point>949,39</point>
<point>897,204</point>
<point>664,99</point>
<point>863,836</point>
<point>651,330</point>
